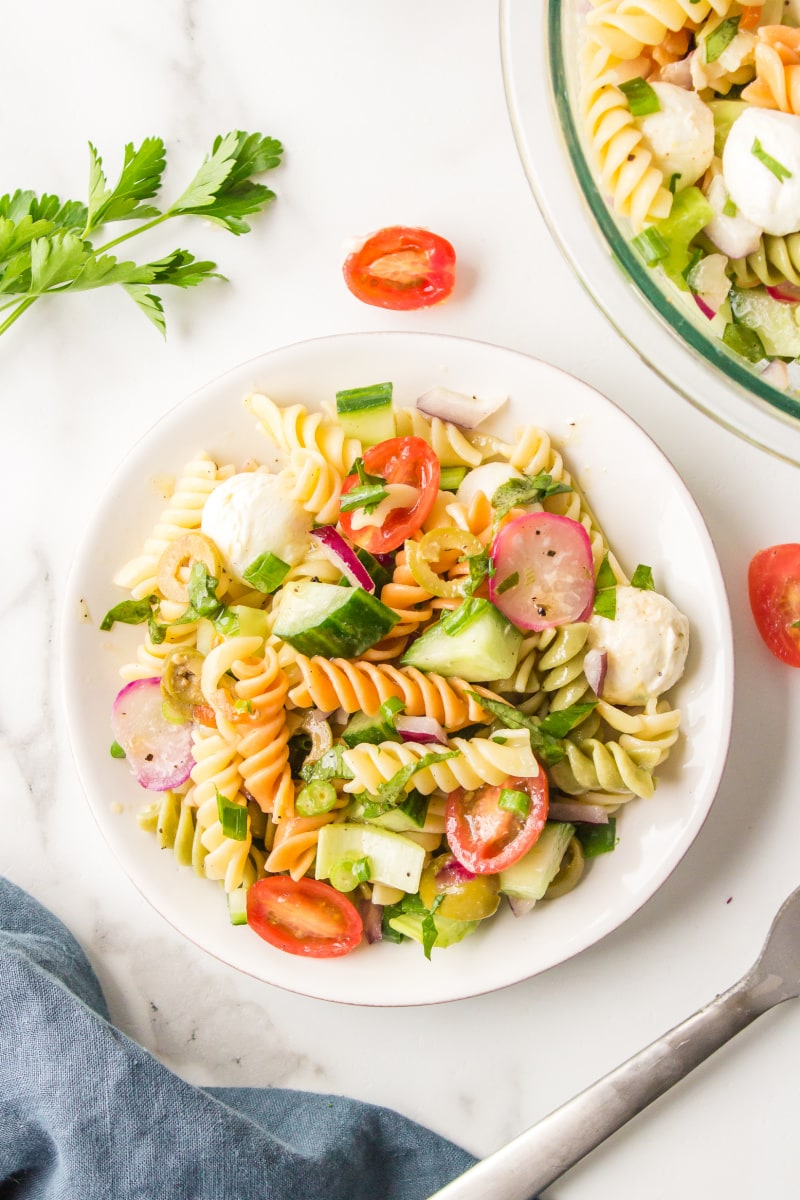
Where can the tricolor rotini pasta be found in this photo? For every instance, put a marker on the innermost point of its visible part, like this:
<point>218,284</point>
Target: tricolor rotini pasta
<point>390,678</point>
<point>690,115</point>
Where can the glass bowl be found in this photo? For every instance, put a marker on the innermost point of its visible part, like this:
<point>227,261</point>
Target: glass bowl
<point>540,57</point>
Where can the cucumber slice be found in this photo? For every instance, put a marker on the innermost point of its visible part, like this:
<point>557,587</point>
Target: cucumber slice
<point>530,877</point>
<point>777,324</point>
<point>451,478</point>
<point>448,931</point>
<point>337,622</point>
<point>474,642</point>
<point>253,622</point>
<point>725,112</point>
<point>373,729</point>
<point>394,859</point>
<point>366,413</point>
<point>237,906</point>
<point>409,817</point>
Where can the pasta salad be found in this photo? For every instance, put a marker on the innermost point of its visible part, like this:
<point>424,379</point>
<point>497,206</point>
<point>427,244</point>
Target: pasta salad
<point>392,676</point>
<point>691,110</point>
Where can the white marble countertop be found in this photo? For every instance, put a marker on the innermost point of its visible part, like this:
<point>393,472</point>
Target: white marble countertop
<point>389,113</point>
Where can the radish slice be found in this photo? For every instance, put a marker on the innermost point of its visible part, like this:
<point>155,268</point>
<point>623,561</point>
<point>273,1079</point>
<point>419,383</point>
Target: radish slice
<point>343,556</point>
<point>158,751</point>
<point>595,665</point>
<point>466,411</point>
<point>420,729</point>
<point>543,571</point>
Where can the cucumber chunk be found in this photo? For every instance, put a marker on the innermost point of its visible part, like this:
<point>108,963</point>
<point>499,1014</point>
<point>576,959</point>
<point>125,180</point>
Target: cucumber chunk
<point>373,729</point>
<point>774,322</point>
<point>237,906</point>
<point>395,860</point>
<point>530,877</point>
<point>474,642</point>
<point>366,413</point>
<point>725,112</point>
<point>337,622</point>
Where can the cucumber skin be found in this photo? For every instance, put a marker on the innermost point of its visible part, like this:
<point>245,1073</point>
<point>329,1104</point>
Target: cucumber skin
<point>373,729</point>
<point>346,629</point>
<point>367,414</point>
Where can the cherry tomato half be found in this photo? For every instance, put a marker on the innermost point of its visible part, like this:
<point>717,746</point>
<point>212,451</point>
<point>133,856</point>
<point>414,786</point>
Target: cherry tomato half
<point>774,585</point>
<point>486,838</point>
<point>303,916</point>
<point>402,268</point>
<point>407,460</point>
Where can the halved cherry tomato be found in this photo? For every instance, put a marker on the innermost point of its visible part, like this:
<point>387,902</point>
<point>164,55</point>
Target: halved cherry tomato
<point>774,584</point>
<point>408,460</point>
<point>486,838</point>
<point>402,268</point>
<point>303,916</point>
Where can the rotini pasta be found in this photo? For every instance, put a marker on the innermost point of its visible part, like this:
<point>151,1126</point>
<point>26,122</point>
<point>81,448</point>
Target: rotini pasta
<point>369,721</point>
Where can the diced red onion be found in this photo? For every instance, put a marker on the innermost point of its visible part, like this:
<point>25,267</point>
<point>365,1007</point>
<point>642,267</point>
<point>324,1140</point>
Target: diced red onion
<point>595,665</point>
<point>466,411</point>
<point>704,308</point>
<point>787,293</point>
<point>710,283</point>
<point>679,73</point>
<point>519,907</point>
<point>372,920</point>
<point>343,556</point>
<point>158,751</point>
<point>777,373</point>
<point>575,810</point>
<point>421,729</point>
<point>452,874</point>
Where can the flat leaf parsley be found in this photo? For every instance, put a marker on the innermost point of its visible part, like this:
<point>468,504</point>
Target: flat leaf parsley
<point>44,241</point>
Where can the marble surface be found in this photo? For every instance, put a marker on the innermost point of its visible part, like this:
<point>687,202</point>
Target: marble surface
<point>389,113</point>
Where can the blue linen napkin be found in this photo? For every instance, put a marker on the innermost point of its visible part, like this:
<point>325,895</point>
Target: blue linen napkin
<point>88,1114</point>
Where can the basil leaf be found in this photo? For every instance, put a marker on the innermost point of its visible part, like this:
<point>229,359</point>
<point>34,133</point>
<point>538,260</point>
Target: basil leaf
<point>130,612</point>
<point>643,578</point>
<point>330,765</point>
<point>530,489</point>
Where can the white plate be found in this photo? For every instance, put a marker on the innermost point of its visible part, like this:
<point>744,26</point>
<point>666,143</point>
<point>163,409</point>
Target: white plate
<point>649,517</point>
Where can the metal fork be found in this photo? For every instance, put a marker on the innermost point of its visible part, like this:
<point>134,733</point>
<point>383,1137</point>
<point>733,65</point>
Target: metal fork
<point>535,1159</point>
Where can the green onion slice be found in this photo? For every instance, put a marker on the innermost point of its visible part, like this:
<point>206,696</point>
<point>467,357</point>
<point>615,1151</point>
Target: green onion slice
<point>721,37</point>
<point>267,572</point>
<point>512,801</point>
<point>315,798</point>
<point>641,98</point>
<point>651,245</point>
<point>778,169</point>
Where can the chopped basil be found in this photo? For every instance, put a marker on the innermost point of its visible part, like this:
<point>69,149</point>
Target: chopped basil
<point>233,818</point>
<point>267,572</point>
<point>429,930</point>
<point>330,765</point>
<point>605,595</point>
<point>367,494</point>
<point>559,722</point>
<point>729,209</point>
<point>643,578</point>
<point>721,37</point>
<point>531,489</point>
<point>203,602</point>
<point>393,791</point>
<point>744,341</point>
<point>510,581</point>
<point>546,734</point>
<point>651,245</point>
<point>136,612</point>
<point>116,751</point>
<point>481,567</point>
<point>642,99</point>
<point>597,839</point>
<point>778,169</point>
<point>673,181</point>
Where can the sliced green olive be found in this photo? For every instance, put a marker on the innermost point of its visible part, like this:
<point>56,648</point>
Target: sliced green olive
<point>465,899</point>
<point>175,564</point>
<point>180,682</point>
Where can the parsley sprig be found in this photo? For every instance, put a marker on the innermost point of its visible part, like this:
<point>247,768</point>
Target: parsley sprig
<point>44,241</point>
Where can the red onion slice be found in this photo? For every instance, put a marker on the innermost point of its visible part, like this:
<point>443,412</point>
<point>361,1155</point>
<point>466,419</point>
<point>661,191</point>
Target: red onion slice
<point>787,293</point>
<point>519,907</point>
<point>453,874</point>
<point>158,751</point>
<point>575,811</point>
<point>595,665</point>
<point>421,729</point>
<point>343,556</point>
<point>372,920</point>
<point>704,308</point>
<point>465,411</point>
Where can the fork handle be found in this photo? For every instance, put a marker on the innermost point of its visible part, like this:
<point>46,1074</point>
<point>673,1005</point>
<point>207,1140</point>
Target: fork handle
<point>534,1159</point>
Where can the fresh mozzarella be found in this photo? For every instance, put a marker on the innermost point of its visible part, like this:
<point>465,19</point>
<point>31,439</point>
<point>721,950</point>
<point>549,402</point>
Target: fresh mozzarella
<point>252,513</point>
<point>486,479</point>
<point>680,135</point>
<point>646,645</point>
<point>769,197</point>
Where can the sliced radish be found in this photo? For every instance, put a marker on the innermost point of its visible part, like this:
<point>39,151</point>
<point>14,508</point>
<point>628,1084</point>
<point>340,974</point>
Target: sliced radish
<point>158,751</point>
<point>466,411</point>
<point>787,293</point>
<point>543,571</point>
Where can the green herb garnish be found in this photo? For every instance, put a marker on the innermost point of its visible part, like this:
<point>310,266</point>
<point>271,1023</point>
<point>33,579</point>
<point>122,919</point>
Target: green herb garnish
<point>605,593</point>
<point>651,245</point>
<point>233,817</point>
<point>547,734</point>
<point>44,241</point>
<point>720,38</point>
<point>368,492</point>
<point>136,612</point>
<point>203,602</point>
<point>778,169</point>
<point>641,97</point>
<point>266,573</point>
<point>329,765</point>
<point>643,578</point>
<point>116,751</point>
<point>393,791</point>
<point>531,489</point>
